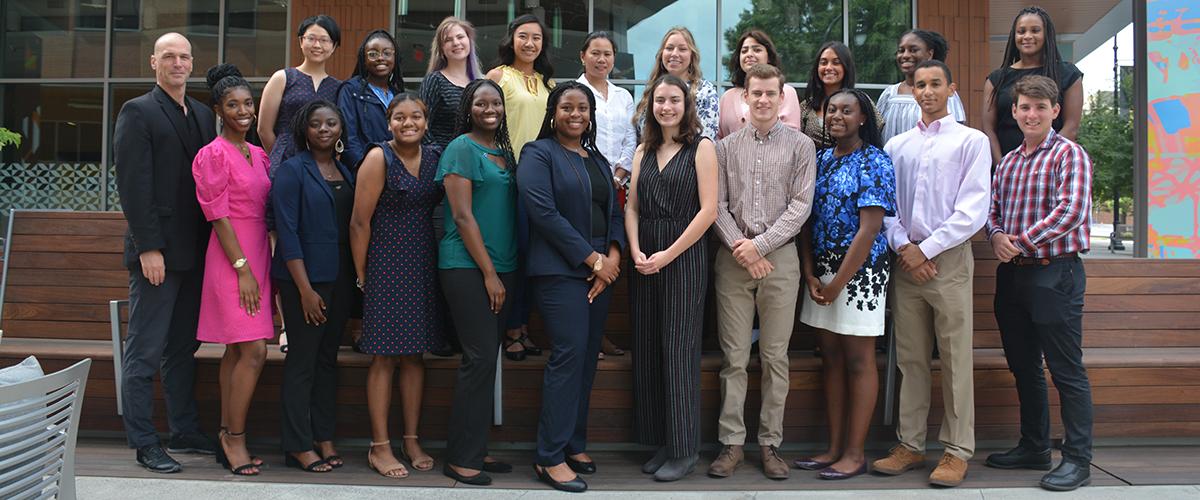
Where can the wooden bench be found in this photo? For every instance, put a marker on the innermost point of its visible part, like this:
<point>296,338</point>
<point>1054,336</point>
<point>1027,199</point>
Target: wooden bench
<point>1142,349</point>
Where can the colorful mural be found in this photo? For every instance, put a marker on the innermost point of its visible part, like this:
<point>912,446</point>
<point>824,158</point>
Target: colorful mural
<point>1173,128</point>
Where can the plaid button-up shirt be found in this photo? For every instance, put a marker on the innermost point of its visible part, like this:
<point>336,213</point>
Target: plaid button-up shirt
<point>1044,197</point>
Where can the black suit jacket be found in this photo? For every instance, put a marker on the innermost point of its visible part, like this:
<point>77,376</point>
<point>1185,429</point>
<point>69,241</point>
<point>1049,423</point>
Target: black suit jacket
<point>154,179</point>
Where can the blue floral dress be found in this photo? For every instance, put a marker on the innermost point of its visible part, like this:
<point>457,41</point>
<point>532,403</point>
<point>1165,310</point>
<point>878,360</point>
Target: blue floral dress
<point>864,178</point>
<point>707,102</point>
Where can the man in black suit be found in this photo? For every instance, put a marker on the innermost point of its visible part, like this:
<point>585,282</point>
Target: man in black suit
<point>157,137</point>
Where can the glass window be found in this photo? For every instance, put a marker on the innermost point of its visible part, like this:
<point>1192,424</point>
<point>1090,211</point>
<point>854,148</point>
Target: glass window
<point>639,28</point>
<point>58,162</point>
<point>875,28</point>
<point>798,29</point>
<point>138,23</point>
<point>256,36</point>
<point>59,39</point>
<point>416,22</point>
<point>567,19</point>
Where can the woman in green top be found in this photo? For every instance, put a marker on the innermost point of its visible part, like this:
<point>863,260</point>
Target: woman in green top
<point>477,263</point>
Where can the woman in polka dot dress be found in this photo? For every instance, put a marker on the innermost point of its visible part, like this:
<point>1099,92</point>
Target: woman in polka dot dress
<point>395,259</point>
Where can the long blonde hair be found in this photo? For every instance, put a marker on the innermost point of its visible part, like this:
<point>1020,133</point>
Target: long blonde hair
<point>437,60</point>
<point>694,74</point>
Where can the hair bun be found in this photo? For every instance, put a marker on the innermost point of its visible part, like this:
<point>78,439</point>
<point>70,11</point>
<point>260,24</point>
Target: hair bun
<point>220,72</point>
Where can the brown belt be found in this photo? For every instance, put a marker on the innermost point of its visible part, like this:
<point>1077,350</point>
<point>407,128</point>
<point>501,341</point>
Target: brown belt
<point>1041,261</point>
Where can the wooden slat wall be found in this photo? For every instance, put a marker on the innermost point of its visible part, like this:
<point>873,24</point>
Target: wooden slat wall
<point>355,18</point>
<point>964,24</point>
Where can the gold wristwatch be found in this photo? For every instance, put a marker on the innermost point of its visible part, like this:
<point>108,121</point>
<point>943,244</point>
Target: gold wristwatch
<point>599,264</point>
<point>240,263</point>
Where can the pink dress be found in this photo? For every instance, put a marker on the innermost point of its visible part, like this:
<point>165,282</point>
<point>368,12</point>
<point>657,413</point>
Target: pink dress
<point>228,186</point>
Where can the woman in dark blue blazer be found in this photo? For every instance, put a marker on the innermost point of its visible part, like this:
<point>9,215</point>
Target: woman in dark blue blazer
<point>312,198</point>
<point>364,98</point>
<point>574,256</point>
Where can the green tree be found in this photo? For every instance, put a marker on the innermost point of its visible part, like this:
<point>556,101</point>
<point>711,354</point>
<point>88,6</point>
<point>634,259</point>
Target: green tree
<point>1106,132</point>
<point>9,138</point>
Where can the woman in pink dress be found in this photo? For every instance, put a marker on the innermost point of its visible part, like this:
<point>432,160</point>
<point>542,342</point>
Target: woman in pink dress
<point>232,187</point>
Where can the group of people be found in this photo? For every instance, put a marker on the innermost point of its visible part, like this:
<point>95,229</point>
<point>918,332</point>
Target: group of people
<point>549,190</point>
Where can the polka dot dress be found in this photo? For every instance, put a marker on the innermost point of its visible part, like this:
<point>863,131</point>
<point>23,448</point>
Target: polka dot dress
<point>400,300</point>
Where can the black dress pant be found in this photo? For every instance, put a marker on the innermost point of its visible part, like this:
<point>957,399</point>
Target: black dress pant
<point>161,336</point>
<point>1040,313</point>
<point>575,328</point>
<point>479,331</point>
<point>309,386</point>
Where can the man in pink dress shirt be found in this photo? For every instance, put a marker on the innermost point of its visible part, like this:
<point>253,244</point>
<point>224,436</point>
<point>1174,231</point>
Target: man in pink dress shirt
<point>942,189</point>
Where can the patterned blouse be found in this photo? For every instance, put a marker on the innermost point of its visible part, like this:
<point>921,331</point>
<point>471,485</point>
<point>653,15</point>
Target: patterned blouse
<point>442,97</point>
<point>813,124</point>
<point>707,108</point>
<point>863,178</point>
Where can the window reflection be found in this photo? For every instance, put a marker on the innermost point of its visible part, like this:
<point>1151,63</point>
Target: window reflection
<point>137,24</point>
<point>639,27</point>
<point>567,20</point>
<point>56,122</point>
<point>416,22</point>
<point>63,39</point>
<point>875,28</point>
<point>256,36</point>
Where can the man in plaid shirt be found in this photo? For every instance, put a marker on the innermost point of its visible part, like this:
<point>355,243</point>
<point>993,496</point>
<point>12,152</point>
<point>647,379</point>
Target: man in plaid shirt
<point>1038,225</point>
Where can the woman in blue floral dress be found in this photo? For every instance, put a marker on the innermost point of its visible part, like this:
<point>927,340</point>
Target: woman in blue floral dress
<point>678,56</point>
<point>845,263</point>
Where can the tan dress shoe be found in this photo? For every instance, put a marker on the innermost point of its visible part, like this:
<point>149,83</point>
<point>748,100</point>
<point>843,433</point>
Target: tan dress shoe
<point>774,466</point>
<point>899,460</point>
<point>728,461</point>
<point>950,471</point>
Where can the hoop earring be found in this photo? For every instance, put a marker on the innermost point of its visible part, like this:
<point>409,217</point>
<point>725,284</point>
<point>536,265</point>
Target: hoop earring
<point>552,123</point>
<point>339,147</point>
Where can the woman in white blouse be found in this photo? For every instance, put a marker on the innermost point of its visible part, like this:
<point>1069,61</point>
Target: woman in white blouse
<point>614,105</point>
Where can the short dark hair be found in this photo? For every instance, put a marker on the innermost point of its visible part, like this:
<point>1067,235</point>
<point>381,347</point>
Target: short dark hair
<point>508,54</point>
<point>405,97</point>
<point>325,22</point>
<point>736,75</point>
<point>934,63</point>
<point>690,127</point>
<point>1036,87</point>
<point>762,71</point>
<point>597,35</point>
<point>223,78</point>
<point>933,41</point>
<point>814,94</point>
<point>588,141</point>
<point>300,122</point>
<point>869,131</point>
<point>396,79</point>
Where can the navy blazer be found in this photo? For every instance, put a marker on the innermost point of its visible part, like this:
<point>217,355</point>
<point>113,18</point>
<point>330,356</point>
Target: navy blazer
<point>557,193</point>
<point>305,219</point>
<point>366,119</point>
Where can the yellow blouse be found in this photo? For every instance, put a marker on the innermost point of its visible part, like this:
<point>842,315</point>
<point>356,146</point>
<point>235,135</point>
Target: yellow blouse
<point>524,105</point>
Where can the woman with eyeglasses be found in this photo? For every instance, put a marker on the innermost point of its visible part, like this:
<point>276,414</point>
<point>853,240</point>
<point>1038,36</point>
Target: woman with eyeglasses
<point>289,89</point>
<point>364,98</point>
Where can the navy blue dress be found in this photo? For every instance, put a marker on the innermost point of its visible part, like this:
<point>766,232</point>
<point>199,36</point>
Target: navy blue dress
<point>400,299</point>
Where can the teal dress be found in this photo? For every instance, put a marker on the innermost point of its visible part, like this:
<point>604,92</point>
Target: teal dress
<point>493,203</point>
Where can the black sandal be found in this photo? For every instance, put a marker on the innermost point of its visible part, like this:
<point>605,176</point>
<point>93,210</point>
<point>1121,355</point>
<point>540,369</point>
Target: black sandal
<point>291,461</point>
<point>515,355</point>
<point>530,350</point>
<point>241,470</point>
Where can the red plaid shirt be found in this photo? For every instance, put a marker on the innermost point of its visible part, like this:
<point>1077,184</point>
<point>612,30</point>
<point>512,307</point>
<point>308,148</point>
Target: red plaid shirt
<point>1044,197</point>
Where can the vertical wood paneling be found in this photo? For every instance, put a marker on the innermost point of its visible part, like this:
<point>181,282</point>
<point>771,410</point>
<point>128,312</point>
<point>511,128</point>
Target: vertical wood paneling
<point>963,23</point>
<point>355,18</point>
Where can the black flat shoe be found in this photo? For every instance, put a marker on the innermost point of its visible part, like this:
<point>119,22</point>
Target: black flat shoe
<point>497,467</point>
<point>1067,476</point>
<point>480,479</point>
<point>809,464</point>
<point>581,467</point>
<point>573,486</point>
<point>514,355</point>
<point>1020,458</point>
<point>155,459</point>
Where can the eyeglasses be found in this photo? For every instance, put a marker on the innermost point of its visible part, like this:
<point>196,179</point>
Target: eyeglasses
<point>319,40</point>
<point>385,54</point>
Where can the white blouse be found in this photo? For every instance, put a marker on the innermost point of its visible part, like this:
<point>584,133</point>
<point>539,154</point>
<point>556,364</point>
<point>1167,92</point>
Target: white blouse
<point>615,135</point>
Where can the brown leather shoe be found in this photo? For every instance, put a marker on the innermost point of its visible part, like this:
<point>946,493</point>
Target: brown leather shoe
<point>728,461</point>
<point>774,466</point>
<point>899,460</point>
<point>950,471</point>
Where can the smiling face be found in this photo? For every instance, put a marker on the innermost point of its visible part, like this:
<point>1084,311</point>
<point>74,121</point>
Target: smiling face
<point>527,42</point>
<point>830,68</point>
<point>677,56</point>
<point>487,109</point>
<point>932,91</point>
<point>324,129</point>
<point>1034,116</point>
<point>572,115</point>
<point>172,61</point>
<point>381,57</point>
<point>456,45</point>
<point>843,116</point>
<point>669,105</point>
<point>315,44</point>
<point>236,110</point>
<point>764,97</point>
<point>1030,35</point>
<point>752,52</point>
<point>407,122</point>
<point>910,52</point>
<point>597,58</point>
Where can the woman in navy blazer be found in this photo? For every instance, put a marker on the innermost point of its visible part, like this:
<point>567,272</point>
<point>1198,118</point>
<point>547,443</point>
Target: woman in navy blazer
<point>312,197</point>
<point>364,98</point>
<point>574,256</point>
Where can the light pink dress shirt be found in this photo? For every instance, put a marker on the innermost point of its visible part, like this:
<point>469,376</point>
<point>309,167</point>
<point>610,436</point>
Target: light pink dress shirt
<point>943,183</point>
<point>735,113</point>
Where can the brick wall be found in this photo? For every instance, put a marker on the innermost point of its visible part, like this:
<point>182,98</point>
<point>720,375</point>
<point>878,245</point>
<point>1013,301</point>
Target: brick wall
<point>356,18</point>
<point>964,24</point>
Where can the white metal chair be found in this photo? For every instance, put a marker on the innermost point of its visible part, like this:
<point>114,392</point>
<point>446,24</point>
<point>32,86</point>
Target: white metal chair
<point>38,426</point>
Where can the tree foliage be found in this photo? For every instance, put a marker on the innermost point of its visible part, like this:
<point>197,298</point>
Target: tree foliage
<point>9,138</point>
<point>1107,135</point>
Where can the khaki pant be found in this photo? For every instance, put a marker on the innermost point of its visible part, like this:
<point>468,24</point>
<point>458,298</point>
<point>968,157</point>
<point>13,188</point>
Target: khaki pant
<point>774,297</point>
<point>939,310</point>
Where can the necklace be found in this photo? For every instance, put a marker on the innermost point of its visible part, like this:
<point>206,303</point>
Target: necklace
<point>244,149</point>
